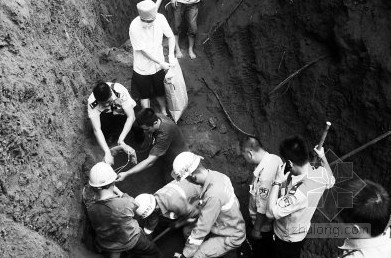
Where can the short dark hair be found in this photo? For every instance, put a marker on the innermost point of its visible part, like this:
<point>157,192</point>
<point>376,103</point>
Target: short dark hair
<point>147,117</point>
<point>102,91</point>
<point>250,143</point>
<point>295,149</point>
<point>370,204</point>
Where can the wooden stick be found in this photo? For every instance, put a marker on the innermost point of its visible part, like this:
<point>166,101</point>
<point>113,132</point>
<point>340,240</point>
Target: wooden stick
<point>161,234</point>
<point>225,112</point>
<point>353,152</point>
<point>322,139</point>
<point>296,73</point>
<point>219,24</point>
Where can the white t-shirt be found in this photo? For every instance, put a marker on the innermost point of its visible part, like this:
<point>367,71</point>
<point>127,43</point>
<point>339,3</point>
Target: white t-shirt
<point>148,37</point>
<point>123,101</point>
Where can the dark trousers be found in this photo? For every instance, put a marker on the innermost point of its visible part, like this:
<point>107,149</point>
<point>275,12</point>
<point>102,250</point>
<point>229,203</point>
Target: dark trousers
<point>264,246</point>
<point>144,248</point>
<point>283,249</point>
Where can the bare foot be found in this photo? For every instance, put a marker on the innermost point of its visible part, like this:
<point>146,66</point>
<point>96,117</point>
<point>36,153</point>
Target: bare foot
<point>192,54</point>
<point>178,54</point>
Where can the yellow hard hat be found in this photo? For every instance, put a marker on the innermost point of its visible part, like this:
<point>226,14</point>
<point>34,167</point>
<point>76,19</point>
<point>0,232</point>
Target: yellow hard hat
<point>184,165</point>
<point>102,174</point>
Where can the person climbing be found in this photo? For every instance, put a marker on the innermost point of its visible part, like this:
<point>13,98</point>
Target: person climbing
<point>168,142</point>
<point>146,35</point>
<point>176,200</point>
<point>189,10</point>
<point>112,217</point>
<point>293,210</point>
<point>367,214</point>
<point>263,176</point>
<point>220,227</point>
<point>109,106</point>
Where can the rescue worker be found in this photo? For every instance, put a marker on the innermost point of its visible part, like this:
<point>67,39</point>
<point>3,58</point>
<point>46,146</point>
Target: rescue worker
<point>176,200</point>
<point>366,212</point>
<point>110,105</point>
<point>168,142</point>
<point>293,210</point>
<point>112,217</point>
<point>220,227</point>
<point>263,176</point>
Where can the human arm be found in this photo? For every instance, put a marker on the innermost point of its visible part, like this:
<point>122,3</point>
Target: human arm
<point>207,218</point>
<point>171,39</point>
<point>164,65</point>
<point>146,163</point>
<point>96,125</point>
<point>330,177</point>
<point>272,202</point>
<point>128,124</point>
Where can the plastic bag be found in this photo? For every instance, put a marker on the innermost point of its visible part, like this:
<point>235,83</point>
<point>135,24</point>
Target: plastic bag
<point>176,92</point>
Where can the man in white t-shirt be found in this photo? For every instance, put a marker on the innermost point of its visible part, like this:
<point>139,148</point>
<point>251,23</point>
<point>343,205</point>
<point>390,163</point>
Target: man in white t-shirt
<point>146,35</point>
<point>263,176</point>
<point>109,106</point>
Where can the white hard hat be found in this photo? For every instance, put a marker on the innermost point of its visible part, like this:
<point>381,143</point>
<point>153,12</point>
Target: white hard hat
<point>147,205</point>
<point>102,174</point>
<point>185,164</point>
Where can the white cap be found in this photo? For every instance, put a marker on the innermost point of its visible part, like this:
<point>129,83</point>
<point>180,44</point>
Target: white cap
<point>102,174</point>
<point>184,165</point>
<point>147,205</point>
<point>147,10</point>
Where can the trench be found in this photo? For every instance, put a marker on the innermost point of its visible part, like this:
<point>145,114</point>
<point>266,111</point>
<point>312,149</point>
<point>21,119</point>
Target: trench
<point>53,52</point>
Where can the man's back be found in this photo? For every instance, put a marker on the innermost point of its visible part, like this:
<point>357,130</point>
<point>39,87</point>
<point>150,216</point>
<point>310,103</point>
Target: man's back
<point>178,199</point>
<point>168,140</point>
<point>113,222</point>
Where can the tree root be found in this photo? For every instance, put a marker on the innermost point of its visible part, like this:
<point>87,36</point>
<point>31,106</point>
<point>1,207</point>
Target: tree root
<point>226,113</point>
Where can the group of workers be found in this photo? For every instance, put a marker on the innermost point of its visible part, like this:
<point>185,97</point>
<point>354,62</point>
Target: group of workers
<point>281,203</point>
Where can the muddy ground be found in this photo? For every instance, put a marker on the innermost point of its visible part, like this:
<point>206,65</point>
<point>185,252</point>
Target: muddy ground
<point>53,52</point>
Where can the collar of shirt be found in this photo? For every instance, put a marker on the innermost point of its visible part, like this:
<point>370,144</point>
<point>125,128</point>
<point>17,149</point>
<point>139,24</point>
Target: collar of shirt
<point>296,179</point>
<point>359,243</point>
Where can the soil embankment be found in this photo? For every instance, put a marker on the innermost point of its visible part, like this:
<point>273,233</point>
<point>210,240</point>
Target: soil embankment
<point>52,53</point>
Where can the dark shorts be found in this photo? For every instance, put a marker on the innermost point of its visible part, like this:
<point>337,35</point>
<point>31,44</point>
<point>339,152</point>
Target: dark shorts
<point>149,86</point>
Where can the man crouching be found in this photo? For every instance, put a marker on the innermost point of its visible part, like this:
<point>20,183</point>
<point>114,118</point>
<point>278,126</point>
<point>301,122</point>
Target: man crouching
<point>112,217</point>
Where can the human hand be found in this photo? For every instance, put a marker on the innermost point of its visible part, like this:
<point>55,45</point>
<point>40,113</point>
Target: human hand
<point>109,159</point>
<point>280,177</point>
<point>320,152</point>
<point>178,255</point>
<point>117,191</point>
<point>121,177</point>
<point>165,65</point>
<point>174,3</point>
<point>256,234</point>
